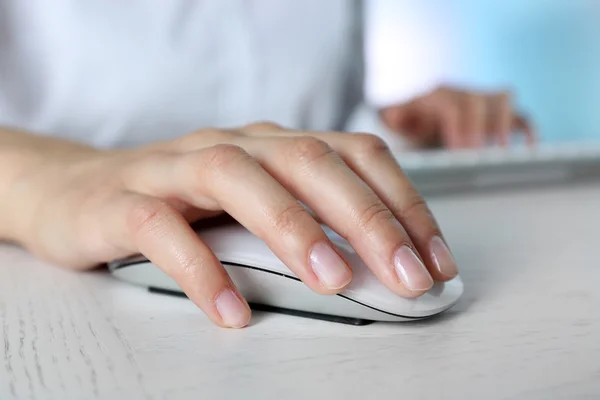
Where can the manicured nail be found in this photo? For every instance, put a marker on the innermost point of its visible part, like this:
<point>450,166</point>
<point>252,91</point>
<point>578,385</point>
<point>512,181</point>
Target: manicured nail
<point>411,270</point>
<point>233,312</point>
<point>442,258</point>
<point>332,271</point>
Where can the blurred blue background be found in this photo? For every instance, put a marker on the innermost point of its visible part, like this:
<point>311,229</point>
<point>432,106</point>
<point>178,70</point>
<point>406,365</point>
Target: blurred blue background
<point>546,51</point>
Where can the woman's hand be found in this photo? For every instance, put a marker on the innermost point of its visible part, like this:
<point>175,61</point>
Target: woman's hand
<point>92,206</point>
<point>457,119</point>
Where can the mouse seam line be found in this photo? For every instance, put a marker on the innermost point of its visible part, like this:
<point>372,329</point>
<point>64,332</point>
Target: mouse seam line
<point>233,264</point>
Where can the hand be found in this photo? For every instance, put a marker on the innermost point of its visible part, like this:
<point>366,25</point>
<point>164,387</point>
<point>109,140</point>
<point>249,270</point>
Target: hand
<point>457,119</point>
<point>103,205</point>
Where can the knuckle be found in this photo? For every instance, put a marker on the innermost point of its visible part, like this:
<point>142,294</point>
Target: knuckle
<point>415,204</point>
<point>286,221</point>
<point>369,145</point>
<point>191,265</point>
<point>307,149</point>
<point>373,215</point>
<point>146,215</point>
<point>208,133</point>
<point>264,126</point>
<point>221,157</point>
<point>203,137</point>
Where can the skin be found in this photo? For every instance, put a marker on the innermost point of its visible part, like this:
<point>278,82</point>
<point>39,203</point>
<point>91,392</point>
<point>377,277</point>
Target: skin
<point>457,119</point>
<point>79,207</point>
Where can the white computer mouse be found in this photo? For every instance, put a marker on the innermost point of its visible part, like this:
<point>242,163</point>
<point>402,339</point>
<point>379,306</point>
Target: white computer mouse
<point>268,284</point>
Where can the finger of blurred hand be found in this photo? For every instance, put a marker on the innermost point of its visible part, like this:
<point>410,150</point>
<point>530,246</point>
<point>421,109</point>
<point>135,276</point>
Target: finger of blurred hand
<point>500,117</point>
<point>522,124</point>
<point>414,120</point>
<point>448,114</point>
<point>317,175</point>
<point>368,156</point>
<point>473,119</point>
<point>419,123</point>
<point>150,226</point>
<point>225,176</point>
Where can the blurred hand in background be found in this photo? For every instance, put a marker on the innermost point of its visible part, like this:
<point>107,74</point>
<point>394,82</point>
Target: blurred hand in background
<point>457,119</point>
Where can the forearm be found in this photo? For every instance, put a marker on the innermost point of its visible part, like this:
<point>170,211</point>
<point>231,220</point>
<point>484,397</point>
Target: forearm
<point>22,156</point>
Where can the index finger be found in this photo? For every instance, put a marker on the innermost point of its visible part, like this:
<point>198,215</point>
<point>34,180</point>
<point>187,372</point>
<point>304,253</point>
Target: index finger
<point>226,176</point>
<point>147,225</point>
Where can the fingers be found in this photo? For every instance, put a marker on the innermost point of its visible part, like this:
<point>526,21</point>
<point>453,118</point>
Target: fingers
<point>417,123</point>
<point>375,164</point>
<point>379,169</point>
<point>503,120</point>
<point>473,120</point>
<point>521,123</point>
<point>225,176</point>
<point>153,228</point>
<point>314,173</point>
<point>500,117</point>
<point>450,125</point>
<point>264,128</point>
<point>462,117</point>
<point>469,119</point>
<point>369,157</point>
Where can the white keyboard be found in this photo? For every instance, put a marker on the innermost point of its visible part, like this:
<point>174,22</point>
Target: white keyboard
<point>434,171</point>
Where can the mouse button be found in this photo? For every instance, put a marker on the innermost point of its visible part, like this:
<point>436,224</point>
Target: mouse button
<point>367,289</point>
<point>147,275</point>
<point>449,291</point>
<point>265,262</point>
<point>224,238</point>
<point>118,263</point>
<point>234,244</point>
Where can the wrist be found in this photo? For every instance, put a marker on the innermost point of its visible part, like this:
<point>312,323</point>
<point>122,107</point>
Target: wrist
<point>30,169</point>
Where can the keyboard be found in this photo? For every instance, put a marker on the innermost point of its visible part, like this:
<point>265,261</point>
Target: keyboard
<point>441,171</point>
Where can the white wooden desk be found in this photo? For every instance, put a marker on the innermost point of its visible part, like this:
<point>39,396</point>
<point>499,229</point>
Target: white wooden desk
<point>528,326</point>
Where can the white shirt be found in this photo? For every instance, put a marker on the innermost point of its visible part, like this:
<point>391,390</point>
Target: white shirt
<point>121,73</point>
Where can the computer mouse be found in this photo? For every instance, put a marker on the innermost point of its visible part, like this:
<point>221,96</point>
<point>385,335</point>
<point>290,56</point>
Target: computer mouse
<point>267,284</point>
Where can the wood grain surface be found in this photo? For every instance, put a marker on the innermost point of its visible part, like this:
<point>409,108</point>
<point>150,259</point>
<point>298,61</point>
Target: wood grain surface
<point>528,326</point>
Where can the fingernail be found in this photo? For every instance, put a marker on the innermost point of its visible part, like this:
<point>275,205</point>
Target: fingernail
<point>329,267</point>
<point>411,270</point>
<point>233,312</point>
<point>442,258</point>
